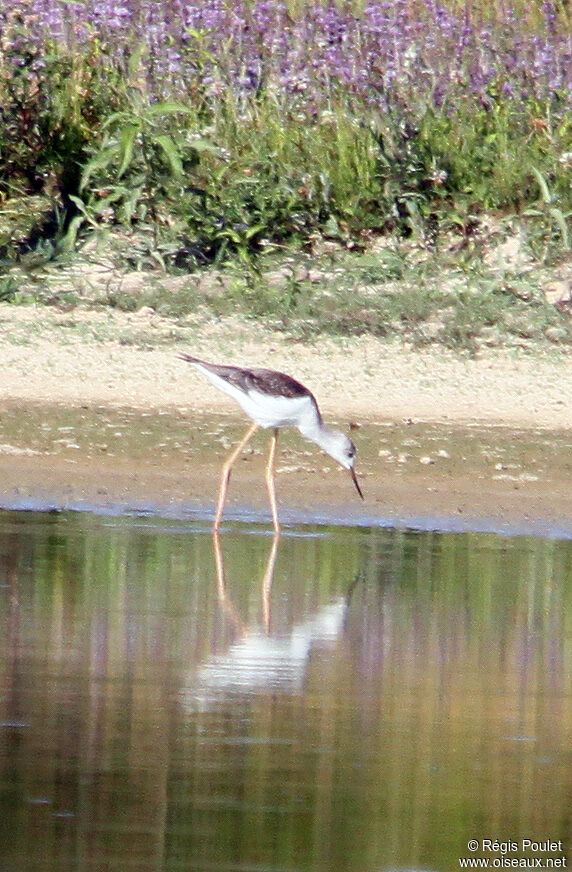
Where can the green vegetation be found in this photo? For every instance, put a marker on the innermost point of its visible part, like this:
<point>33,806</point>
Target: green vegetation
<point>411,138</point>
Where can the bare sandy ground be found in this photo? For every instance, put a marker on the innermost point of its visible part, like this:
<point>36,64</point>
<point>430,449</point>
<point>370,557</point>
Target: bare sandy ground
<point>118,359</point>
<point>439,435</point>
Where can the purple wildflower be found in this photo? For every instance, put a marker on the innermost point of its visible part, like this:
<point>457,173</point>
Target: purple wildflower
<point>412,54</point>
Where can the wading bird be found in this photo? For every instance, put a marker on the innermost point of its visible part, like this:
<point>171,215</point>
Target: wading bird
<point>273,400</point>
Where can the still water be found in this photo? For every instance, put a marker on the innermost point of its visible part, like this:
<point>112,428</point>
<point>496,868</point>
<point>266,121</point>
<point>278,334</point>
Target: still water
<point>343,699</point>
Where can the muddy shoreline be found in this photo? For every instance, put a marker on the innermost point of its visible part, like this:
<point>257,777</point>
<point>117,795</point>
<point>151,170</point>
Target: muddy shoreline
<point>167,462</point>
<point>98,411</point>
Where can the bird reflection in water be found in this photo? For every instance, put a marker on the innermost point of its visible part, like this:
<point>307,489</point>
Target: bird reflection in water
<point>260,659</point>
<point>266,584</point>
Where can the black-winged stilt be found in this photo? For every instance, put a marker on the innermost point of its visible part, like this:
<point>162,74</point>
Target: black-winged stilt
<point>273,400</point>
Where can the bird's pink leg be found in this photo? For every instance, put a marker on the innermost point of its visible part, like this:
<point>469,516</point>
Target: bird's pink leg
<point>270,480</point>
<point>225,476</point>
<point>267,581</point>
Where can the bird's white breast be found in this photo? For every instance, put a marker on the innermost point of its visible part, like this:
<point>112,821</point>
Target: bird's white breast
<point>276,411</point>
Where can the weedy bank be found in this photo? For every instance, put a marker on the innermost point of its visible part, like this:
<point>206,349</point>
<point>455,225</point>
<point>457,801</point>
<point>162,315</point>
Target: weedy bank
<point>232,135</point>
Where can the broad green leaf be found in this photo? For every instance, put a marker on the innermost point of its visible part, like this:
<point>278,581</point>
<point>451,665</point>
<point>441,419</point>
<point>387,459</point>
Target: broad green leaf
<point>544,189</point>
<point>100,161</point>
<point>77,201</point>
<point>230,233</point>
<point>204,145</point>
<point>168,107</point>
<point>126,144</point>
<point>171,153</point>
<point>123,117</point>
<point>68,242</point>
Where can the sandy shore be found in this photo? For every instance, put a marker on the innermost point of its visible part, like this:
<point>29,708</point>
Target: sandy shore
<point>116,359</point>
<point>481,442</point>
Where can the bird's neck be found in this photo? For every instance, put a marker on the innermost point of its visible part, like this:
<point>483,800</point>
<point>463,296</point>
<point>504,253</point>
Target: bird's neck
<point>315,430</point>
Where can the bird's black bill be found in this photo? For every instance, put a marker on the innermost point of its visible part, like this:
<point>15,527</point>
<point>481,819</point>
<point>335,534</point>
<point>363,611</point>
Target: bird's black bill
<point>356,482</point>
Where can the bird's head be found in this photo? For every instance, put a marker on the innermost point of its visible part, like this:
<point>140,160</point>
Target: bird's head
<point>342,449</point>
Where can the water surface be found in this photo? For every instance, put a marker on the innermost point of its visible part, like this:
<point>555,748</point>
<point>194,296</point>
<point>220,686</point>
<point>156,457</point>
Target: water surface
<point>340,699</point>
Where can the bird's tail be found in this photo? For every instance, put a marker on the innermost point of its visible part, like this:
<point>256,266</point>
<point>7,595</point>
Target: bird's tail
<point>189,358</point>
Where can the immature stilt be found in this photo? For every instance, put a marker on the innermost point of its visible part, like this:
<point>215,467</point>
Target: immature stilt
<point>273,399</point>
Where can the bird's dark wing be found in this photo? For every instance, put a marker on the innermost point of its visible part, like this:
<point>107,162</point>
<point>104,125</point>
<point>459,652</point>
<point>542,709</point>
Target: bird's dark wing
<point>269,381</point>
<point>265,381</point>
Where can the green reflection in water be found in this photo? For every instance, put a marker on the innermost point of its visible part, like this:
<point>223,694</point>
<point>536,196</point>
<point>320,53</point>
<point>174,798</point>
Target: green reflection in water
<point>372,700</point>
